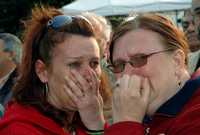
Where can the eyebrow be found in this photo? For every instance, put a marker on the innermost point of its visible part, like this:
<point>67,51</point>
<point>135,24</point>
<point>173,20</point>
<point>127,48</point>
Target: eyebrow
<point>80,57</point>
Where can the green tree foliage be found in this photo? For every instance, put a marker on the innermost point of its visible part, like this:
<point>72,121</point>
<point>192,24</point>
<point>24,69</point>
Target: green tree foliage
<point>13,11</point>
<point>116,20</point>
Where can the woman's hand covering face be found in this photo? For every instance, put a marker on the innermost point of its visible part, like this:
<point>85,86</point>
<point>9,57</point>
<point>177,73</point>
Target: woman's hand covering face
<point>130,98</point>
<point>84,94</point>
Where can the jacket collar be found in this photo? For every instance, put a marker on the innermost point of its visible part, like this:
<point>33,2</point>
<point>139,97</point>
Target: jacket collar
<point>176,103</point>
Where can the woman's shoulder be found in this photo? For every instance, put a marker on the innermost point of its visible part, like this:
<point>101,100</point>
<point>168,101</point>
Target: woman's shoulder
<point>19,128</point>
<point>20,120</point>
<point>17,121</point>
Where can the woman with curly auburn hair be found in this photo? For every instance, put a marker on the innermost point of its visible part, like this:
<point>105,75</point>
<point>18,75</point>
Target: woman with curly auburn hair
<point>58,91</point>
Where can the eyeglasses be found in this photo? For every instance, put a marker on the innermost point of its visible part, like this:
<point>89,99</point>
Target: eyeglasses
<point>59,21</point>
<point>62,20</point>
<point>135,61</point>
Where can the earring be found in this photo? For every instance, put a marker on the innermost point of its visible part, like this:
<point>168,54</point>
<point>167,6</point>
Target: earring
<point>178,79</point>
<point>179,84</point>
<point>46,89</point>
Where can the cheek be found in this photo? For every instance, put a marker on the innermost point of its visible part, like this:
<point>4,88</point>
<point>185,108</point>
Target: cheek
<point>161,77</point>
<point>155,70</point>
<point>155,82</point>
<point>98,71</point>
<point>55,82</point>
<point>57,95</point>
<point>57,77</point>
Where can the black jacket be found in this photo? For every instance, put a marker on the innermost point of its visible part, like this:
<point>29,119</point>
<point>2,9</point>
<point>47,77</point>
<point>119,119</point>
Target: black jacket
<point>5,91</point>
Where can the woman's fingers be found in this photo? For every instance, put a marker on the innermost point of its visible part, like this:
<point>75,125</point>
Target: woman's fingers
<point>133,91</point>
<point>135,85</point>
<point>124,82</point>
<point>73,98</point>
<point>89,84</point>
<point>71,102</point>
<point>82,81</point>
<point>95,83</point>
<point>74,87</point>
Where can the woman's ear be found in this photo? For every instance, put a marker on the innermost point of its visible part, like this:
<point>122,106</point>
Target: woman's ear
<point>179,60</point>
<point>41,71</point>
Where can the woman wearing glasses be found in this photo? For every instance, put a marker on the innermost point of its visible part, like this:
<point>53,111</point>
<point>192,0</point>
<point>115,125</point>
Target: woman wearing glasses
<point>58,89</point>
<point>154,93</point>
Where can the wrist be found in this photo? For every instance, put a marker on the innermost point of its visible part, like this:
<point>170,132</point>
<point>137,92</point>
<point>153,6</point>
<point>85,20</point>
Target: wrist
<point>96,125</point>
<point>96,132</point>
<point>95,122</point>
